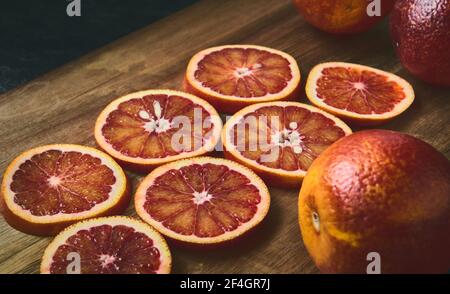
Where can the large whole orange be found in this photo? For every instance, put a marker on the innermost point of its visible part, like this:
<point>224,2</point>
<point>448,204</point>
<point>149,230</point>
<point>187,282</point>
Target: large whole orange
<point>342,16</point>
<point>377,191</point>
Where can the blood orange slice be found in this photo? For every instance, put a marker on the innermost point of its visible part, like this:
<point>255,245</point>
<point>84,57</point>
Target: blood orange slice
<point>280,140</point>
<point>234,76</point>
<point>107,245</point>
<point>48,188</point>
<point>145,129</point>
<point>203,200</point>
<point>358,93</point>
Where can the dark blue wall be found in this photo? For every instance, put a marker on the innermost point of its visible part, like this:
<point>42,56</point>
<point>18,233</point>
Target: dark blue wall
<point>36,36</point>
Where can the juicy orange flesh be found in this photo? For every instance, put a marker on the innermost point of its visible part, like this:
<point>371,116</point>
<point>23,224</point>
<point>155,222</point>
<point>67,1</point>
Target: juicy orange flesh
<point>107,249</point>
<point>202,200</point>
<point>244,72</point>
<point>287,138</point>
<point>359,91</point>
<point>55,182</point>
<point>127,128</point>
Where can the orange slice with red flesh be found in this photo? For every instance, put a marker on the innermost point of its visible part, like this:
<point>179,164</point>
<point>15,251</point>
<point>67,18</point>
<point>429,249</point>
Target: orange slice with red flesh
<point>202,200</point>
<point>280,140</point>
<point>234,76</point>
<point>146,129</point>
<point>47,188</point>
<point>358,93</point>
<point>107,245</point>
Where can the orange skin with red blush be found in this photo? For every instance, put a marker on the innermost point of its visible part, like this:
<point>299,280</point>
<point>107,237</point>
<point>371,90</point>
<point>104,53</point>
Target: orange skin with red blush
<point>377,191</point>
<point>341,16</point>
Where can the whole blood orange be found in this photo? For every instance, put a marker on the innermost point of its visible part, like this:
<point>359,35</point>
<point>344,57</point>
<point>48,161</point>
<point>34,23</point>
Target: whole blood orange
<point>47,188</point>
<point>234,76</point>
<point>358,93</point>
<point>107,245</point>
<point>382,193</point>
<point>202,200</point>
<point>421,34</point>
<point>344,16</point>
<point>146,129</point>
<point>280,140</point>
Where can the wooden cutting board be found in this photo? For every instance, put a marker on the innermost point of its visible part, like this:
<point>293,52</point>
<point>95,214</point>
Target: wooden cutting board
<point>61,107</point>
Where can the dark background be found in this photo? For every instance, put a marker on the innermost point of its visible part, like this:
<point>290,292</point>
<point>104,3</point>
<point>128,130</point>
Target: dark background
<point>36,36</point>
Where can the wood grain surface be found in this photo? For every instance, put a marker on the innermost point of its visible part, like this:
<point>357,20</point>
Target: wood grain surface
<point>61,107</point>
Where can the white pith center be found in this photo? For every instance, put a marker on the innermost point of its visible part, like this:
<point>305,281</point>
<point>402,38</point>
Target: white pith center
<point>289,138</point>
<point>106,259</point>
<point>201,197</point>
<point>54,181</point>
<point>158,124</point>
<point>359,86</point>
<point>246,71</point>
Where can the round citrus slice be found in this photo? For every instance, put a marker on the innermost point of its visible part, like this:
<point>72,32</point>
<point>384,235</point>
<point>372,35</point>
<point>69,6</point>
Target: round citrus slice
<point>145,129</point>
<point>107,245</point>
<point>47,188</point>
<point>234,76</point>
<point>280,140</point>
<point>202,200</point>
<point>358,93</point>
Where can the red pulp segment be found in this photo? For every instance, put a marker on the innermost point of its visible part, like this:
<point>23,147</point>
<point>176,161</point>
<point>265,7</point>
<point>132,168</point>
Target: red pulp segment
<point>284,137</point>
<point>108,249</point>
<point>143,127</point>
<point>244,72</point>
<point>67,182</point>
<point>358,90</point>
<point>205,200</point>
